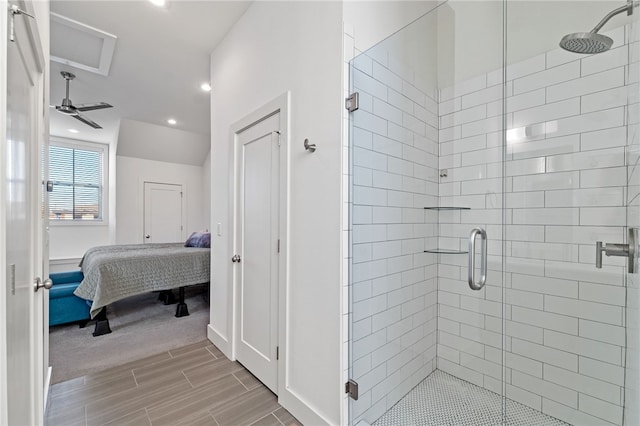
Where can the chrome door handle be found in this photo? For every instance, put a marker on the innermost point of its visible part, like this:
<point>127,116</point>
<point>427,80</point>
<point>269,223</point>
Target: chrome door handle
<point>472,259</point>
<point>147,236</point>
<point>235,258</point>
<point>38,284</point>
<point>623,250</point>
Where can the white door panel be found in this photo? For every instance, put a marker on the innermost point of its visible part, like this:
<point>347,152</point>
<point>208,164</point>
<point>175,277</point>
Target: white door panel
<point>257,244</point>
<point>23,222</point>
<point>163,213</point>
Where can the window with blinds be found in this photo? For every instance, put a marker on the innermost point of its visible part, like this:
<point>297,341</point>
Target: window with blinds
<point>77,174</point>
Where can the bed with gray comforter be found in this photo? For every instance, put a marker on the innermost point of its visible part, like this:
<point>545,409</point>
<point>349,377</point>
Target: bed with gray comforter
<point>115,272</point>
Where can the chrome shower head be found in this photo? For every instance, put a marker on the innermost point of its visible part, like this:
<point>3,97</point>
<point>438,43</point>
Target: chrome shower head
<point>592,42</point>
<point>586,43</point>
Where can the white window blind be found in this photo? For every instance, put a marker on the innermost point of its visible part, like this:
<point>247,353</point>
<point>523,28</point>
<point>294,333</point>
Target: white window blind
<point>77,176</point>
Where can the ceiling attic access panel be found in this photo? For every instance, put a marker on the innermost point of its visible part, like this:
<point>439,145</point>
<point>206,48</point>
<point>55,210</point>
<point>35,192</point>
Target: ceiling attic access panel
<point>81,46</point>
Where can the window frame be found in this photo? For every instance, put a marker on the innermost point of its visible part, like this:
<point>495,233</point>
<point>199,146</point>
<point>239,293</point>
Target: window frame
<point>85,146</point>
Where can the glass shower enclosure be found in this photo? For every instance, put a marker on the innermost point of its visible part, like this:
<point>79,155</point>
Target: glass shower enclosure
<point>493,213</point>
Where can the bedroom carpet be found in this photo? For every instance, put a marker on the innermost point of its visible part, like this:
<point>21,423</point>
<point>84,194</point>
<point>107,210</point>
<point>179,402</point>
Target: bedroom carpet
<point>141,325</point>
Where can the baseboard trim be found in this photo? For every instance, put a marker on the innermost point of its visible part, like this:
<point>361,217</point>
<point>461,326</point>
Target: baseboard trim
<point>220,342</point>
<point>64,265</point>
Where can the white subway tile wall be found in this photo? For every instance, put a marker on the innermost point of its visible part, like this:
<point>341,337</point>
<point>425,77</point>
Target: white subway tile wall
<point>564,184</point>
<point>615,335</point>
<point>561,173</point>
<point>394,288</point>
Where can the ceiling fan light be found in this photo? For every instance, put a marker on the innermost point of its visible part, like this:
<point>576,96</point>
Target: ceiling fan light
<point>172,121</point>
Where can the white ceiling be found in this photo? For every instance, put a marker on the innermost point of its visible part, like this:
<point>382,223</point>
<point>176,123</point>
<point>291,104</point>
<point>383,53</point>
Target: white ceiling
<point>161,57</point>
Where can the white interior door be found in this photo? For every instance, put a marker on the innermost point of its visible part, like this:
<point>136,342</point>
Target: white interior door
<point>23,255</point>
<point>257,244</point>
<point>163,213</point>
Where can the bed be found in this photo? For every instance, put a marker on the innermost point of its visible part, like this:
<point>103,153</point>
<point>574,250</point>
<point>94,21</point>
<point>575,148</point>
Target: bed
<point>115,272</point>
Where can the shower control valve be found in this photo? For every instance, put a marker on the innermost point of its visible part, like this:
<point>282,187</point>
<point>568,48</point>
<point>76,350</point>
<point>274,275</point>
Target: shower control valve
<point>623,250</point>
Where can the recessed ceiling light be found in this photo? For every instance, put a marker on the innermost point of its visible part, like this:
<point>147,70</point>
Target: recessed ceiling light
<point>159,3</point>
<point>171,121</point>
<point>206,87</point>
<point>74,131</point>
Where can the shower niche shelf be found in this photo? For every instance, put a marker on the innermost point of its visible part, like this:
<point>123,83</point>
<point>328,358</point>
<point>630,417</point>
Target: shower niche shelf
<point>446,251</point>
<point>447,208</point>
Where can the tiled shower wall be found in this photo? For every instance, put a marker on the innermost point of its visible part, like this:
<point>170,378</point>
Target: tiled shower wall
<point>632,380</point>
<point>564,184</point>
<point>394,172</point>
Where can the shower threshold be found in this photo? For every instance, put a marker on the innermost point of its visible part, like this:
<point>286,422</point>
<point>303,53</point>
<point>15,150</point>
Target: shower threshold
<point>443,399</point>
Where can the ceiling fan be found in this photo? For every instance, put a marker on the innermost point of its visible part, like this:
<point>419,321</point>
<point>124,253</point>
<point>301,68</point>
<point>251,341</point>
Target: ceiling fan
<point>68,108</point>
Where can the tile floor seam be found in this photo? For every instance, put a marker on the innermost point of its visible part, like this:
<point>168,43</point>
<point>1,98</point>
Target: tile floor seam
<point>214,355</point>
<point>135,380</point>
<point>148,416</point>
<point>187,379</point>
<point>277,418</point>
<point>213,417</point>
<point>236,377</point>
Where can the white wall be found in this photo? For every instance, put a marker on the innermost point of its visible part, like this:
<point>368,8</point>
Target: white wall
<point>71,241</point>
<point>131,173</point>
<point>274,48</point>
<point>373,21</point>
<point>161,143</point>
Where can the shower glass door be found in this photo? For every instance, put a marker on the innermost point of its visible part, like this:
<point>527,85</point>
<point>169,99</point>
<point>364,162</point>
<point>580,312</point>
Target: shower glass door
<point>571,181</point>
<point>427,162</point>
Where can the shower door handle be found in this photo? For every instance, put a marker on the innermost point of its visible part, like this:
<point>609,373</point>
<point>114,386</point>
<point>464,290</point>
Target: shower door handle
<point>472,259</point>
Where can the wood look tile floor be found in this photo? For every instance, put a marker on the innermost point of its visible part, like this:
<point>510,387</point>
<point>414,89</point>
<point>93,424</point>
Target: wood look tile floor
<point>193,385</point>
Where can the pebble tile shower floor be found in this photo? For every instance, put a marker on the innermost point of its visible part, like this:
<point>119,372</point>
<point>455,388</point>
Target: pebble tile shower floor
<point>442,399</point>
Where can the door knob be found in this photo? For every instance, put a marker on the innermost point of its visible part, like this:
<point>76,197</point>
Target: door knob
<point>147,236</point>
<point>38,284</point>
<point>235,258</point>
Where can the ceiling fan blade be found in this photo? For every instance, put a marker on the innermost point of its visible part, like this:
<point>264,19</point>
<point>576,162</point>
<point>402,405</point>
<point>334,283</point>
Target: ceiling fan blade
<point>91,107</point>
<point>86,121</point>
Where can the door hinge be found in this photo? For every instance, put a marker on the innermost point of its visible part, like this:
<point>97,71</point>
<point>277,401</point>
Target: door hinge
<point>351,388</point>
<point>278,245</point>
<point>277,133</point>
<point>181,228</point>
<point>352,103</point>
<point>277,353</point>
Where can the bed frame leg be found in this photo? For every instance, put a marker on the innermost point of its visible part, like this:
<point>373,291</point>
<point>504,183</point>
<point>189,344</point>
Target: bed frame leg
<point>102,323</point>
<point>167,297</point>
<point>181,309</point>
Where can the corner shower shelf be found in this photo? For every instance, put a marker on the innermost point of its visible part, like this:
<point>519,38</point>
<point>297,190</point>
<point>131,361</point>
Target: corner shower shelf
<point>447,208</point>
<point>446,251</point>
